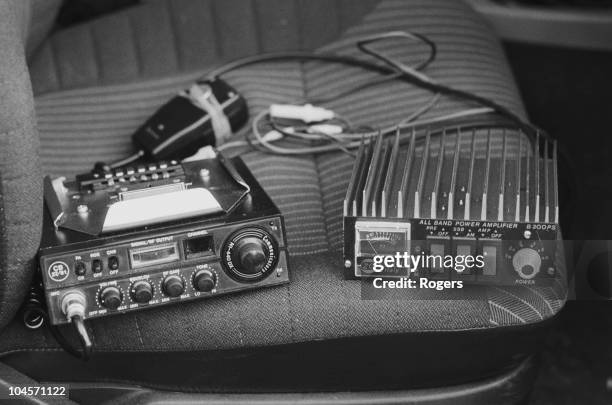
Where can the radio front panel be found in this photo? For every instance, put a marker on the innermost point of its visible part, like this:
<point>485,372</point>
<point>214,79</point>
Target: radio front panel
<point>164,268</point>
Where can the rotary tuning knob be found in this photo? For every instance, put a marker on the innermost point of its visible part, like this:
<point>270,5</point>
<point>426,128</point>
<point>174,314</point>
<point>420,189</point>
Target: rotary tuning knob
<point>173,285</point>
<point>141,291</point>
<point>204,280</point>
<point>111,297</point>
<point>250,255</point>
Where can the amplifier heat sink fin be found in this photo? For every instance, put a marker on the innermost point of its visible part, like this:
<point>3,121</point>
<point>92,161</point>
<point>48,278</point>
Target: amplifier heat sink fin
<point>470,172</point>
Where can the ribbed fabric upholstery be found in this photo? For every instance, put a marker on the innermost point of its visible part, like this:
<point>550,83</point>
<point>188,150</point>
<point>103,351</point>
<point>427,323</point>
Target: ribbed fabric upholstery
<point>162,37</point>
<point>80,126</point>
<point>298,193</point>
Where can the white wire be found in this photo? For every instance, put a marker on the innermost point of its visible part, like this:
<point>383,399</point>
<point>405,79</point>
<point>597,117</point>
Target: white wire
<point>259,138</point>
<point>347,141</point>
<point>342,141</point>
<point>233,144</point>
<point>345,137</point>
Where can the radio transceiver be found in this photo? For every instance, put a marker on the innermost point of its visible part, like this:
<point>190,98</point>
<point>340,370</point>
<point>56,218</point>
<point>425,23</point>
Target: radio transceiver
<point>157,234</point>
<point>474,189</point>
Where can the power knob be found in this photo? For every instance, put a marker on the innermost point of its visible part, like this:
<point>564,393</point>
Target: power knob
<point>173,285</point>
<point>141,291</point>
<point>111,297</point>
<point>527,263</point>
<point>204,280</point>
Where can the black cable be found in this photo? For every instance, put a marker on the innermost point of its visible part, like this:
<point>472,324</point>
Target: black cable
<point>424,82</point>
<point>130,159</point>
<point>59,336</point>
<point>296,56</point>
<point>35,309</point>
<point>30,314</point>
<point>278,56</point>
<point>362,46</point>
<point>84,339</point>
<point>339,144</point>
<point>64,343</point>
<point>102,167</point>
<point>35,316</point>
<point>326,57</point>
<point>255,146</point>
<point>360,87</point>
<point>393,76</point>
<point>391,67</point>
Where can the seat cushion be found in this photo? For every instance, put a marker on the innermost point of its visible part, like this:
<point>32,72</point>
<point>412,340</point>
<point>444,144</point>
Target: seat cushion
<point>20,175</point>
<point>83,125</point>
<point>42,15</point>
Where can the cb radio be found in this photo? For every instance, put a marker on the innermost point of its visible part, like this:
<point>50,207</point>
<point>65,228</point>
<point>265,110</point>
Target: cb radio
<point>155,235</point>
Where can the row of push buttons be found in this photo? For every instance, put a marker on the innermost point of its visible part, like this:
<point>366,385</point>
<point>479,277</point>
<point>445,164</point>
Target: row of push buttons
<point>136,171</point>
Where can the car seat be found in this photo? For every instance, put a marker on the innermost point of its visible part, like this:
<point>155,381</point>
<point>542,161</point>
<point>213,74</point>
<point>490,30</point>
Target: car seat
<point>95,82</point>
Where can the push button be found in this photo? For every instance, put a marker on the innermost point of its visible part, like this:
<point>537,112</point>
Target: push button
<point>490,254</point>
<point>113,262</point>
<point>96,266</point>
<point>438,249</point>
<point>465,253</point>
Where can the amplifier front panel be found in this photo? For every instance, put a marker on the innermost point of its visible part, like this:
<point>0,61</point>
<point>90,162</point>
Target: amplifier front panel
<point>513,253</point>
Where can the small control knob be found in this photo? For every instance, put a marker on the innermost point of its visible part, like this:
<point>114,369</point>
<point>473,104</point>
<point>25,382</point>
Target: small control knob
<point>141,291</point>
<point>527,263</point>
<point>173,285</point>
<point>80,268</point>
<point>204,280</point>
<point>96,266</point>
<point>111,297</point>
<point>113,262</point>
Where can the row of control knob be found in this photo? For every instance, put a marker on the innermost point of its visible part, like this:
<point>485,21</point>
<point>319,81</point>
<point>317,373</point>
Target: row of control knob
<point>142,291</point>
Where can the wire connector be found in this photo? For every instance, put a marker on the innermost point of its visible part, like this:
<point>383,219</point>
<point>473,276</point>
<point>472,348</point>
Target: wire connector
<point>306,113</point>
<point>73,304</point>
<point>273,136</point>
<point>325,129</point>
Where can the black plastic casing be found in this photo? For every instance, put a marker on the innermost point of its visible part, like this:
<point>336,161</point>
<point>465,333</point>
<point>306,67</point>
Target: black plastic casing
<point>179,128</point>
